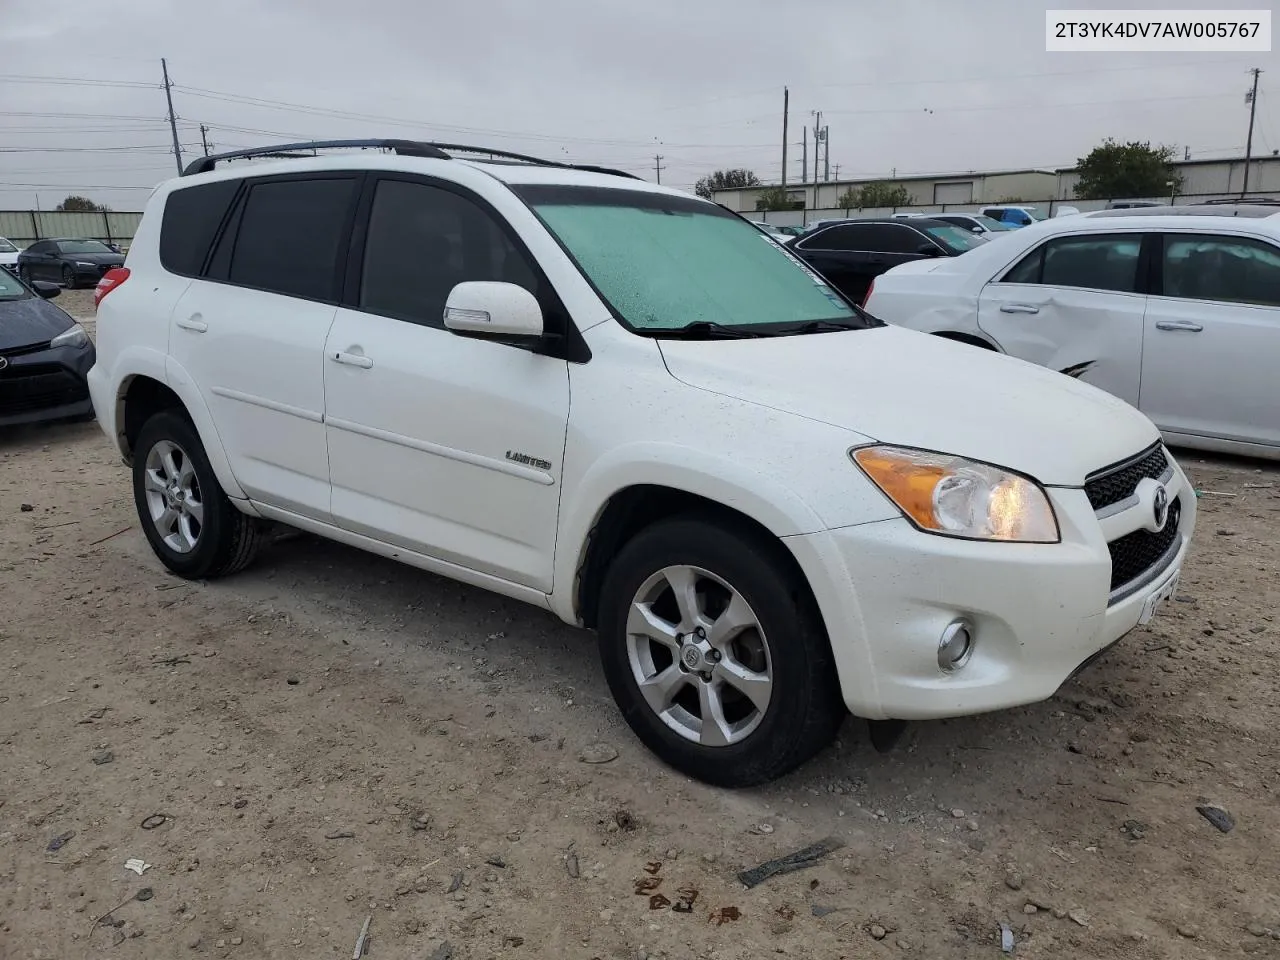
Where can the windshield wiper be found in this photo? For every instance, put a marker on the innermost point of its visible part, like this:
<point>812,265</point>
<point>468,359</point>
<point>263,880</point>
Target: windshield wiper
<point>704,330</point>
<point>820,326</point>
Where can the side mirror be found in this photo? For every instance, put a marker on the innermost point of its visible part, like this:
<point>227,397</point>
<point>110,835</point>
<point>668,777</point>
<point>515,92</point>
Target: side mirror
<point>486,308</point>
<point>45,289</point>
<point>928,250</point>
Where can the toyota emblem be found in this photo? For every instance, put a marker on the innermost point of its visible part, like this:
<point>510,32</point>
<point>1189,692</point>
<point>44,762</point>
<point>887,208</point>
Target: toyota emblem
<point>1160,507</point>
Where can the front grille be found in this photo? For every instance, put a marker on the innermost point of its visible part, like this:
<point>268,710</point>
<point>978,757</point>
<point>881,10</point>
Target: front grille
<point>1135,553</point>
<point>1118,483</point>
<point>39,388</point>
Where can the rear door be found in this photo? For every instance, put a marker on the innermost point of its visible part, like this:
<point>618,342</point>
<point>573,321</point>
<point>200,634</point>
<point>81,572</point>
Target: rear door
<point>251,332</point>
<point>851,255</point>
<point>1212,338</point>
<point>1075,304</point>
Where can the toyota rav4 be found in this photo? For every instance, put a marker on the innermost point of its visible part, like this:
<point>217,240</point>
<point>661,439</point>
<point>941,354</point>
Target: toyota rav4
<point>629,406</point>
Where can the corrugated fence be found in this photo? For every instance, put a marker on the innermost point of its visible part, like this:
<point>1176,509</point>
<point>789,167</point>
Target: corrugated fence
<point>25,227</point>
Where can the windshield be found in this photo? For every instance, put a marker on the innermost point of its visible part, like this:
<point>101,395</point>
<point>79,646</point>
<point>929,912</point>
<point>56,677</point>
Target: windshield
<point>663,262</point>
<point>991,224</point>
<point>10,288</point>
<point>6,246</point>
<point>957,239</point>
<point>83,246</point>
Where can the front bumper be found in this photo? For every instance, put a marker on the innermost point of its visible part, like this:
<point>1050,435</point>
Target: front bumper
<point>1039,612</point>
<point>43,385</point>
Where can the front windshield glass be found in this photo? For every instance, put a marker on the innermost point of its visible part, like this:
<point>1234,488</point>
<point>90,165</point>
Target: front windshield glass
<point>6,246</point>
<point>10,288</point>
<point>83,246</point>
<point>664,262</point>
<point>958,239</point>
<point>993,225</point>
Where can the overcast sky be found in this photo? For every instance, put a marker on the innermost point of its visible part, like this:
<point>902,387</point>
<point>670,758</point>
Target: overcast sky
<point>914,85</point>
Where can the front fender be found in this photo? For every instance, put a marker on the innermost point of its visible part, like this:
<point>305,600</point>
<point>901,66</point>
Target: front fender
<point>719,479</point>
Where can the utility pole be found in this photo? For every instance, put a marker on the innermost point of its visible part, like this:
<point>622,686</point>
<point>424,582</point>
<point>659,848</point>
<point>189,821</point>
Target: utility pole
<point>804,158</point>
<point>1248,143</point>
<point>786,106</point>
<point>173,121</point>
<point>657,166</point>
<point>204,138</point>
<point>817,136</point>
<point>826,153</point>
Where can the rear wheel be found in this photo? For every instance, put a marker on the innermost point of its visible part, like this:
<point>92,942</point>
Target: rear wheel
<point>715,653</point>
<point>188,520</point>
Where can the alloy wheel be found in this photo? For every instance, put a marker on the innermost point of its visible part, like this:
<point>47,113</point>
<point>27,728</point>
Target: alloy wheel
<point>173,496</point>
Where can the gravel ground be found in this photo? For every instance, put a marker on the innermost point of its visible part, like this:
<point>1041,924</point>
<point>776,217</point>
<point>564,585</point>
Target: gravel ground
<point>330,737</point>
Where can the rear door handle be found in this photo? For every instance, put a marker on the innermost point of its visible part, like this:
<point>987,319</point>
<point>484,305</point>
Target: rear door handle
<point>353,360</point>
<point>1187,325</point>
<point>1019,308</point>
<point>194,324</point>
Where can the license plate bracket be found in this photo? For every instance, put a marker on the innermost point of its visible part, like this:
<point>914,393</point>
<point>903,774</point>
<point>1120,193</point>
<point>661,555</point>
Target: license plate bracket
<point>1152,605</point>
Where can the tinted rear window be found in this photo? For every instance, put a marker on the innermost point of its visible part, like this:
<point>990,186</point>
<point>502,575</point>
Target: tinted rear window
<point>291,235</point>
<point>191,219</point>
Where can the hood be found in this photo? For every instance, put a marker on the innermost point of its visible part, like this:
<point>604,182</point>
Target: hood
<point>897,386</point>
<point>31,321</point>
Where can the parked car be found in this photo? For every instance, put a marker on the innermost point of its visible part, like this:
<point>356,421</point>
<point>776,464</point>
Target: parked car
<point>1132,204</point>
<point>609,399</point>
<point>8,255</point>
<point>792,230</point>
<point>1014,216</point>
<point>768,228</point>
<point>44,356</point>
<point>69,262</point>
<point>974,222</point>
<point>850,253</point>
<point>1175,310</point>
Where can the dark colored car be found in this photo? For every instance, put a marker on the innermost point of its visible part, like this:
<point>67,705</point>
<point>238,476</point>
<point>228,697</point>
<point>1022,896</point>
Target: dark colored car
<point>44,356</point>
<point>852,253</point>
<point>68,262</point>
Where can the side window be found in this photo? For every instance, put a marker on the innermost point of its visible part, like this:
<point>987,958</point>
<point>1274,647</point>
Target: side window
<point>292,237</point>
<point>191,219</point>
<point>38,248</point>
<point>1088,262</point>
<point>893,239</point>
<point>423,241</point>
<point>843,237</point>
<point>1229,269</point>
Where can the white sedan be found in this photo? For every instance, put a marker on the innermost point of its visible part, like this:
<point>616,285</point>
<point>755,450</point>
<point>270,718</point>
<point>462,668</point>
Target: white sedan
<point>1174,309</point>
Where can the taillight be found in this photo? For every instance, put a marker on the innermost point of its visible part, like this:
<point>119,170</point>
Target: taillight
<point>870,290</point>
<point>110,280</point>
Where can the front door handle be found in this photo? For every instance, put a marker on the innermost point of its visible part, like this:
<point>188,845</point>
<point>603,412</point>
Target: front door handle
<point>194,324</point>
<point>353,360</point>
<point>1188,325</point>
<point>1019,308</point>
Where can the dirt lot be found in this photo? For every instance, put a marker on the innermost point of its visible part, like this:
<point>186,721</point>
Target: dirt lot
<point>329,737</point>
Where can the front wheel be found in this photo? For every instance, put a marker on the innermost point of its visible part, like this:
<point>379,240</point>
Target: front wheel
<point>715,652</point>
<point>69,278</point>
<point>188,520</point>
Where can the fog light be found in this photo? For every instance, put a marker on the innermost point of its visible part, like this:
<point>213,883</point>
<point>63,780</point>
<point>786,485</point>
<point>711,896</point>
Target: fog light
<point>955,646</point>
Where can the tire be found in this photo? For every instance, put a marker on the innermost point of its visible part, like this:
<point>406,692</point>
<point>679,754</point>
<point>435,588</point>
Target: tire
<point>225,540</point>
<point>786,642</point>
<point>24,273</point>
<point>69,278</point>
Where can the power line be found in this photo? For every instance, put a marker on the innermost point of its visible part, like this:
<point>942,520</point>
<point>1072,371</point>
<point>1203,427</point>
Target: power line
<point>75,81</point>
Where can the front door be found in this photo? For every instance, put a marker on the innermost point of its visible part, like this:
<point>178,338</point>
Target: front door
<point>1073,304</point>
<point>1213,338</point>
<point>448,446</point>
<point>252,336</point>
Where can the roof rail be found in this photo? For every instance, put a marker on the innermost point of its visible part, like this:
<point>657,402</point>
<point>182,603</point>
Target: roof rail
<point>408,148</point>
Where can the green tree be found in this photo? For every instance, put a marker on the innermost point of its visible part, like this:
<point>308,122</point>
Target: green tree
<point>775,198</point>
<point>80,205</point>
<point>725,180</point>
<point>875,195</point>
<point>1131,169</point>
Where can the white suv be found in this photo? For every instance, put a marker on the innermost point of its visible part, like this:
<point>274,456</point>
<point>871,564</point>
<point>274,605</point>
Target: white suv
<point>627,405</point>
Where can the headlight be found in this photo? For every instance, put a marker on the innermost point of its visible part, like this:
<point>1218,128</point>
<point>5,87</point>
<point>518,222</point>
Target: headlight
<point>89,266</point>
<point>960,498</point>
<point>71,337</point>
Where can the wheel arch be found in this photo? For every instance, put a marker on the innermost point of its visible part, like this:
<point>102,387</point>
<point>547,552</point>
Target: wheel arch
<point>971,339</point>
